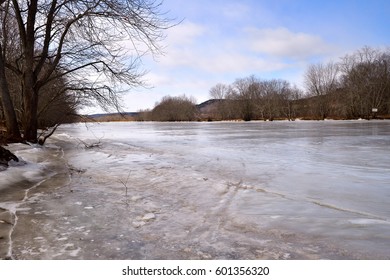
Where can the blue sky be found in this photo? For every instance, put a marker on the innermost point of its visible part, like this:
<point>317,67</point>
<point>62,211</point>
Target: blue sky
<point>220,41</point>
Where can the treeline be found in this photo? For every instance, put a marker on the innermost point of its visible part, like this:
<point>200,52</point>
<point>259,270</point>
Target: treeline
<point>357,86</point>
<point>252,98</point>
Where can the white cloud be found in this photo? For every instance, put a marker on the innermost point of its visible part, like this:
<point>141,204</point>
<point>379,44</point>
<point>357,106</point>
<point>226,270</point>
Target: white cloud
<point>185,33</point>
<point>218,60</point>
<point>236,62</point>
<point>285,43</point>
<point>182,45</point>
<point>153,79</point>
<point>194,46</point>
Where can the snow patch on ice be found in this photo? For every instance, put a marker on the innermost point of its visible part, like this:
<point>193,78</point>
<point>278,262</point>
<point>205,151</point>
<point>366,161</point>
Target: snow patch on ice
<point>30,168</point>
<point>11,206</point>
<point>368,222</point>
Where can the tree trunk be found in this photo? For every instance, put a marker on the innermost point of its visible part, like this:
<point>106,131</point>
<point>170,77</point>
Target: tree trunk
<point>30,119</point>
<point>30,90</point>
<point>11,122</point>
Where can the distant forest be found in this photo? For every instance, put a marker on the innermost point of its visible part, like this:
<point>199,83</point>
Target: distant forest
<point>357,86</point>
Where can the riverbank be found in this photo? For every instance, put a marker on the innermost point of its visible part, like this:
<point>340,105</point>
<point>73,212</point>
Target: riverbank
<point>35,173</point>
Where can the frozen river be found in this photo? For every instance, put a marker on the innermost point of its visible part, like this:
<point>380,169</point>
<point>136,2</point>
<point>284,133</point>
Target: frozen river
<point>256,190</point>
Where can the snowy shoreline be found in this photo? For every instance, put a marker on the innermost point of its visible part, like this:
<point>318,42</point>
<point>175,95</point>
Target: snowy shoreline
<point>36,166</point>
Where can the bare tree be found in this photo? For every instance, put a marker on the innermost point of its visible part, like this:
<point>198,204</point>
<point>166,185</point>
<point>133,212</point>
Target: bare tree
<point>247,93</point>
<point>278,98</point>
<point>321,80</point>
<point>219,91</point>
<point>225,106</point>
<point>95,45</point>
<point>290,99</point>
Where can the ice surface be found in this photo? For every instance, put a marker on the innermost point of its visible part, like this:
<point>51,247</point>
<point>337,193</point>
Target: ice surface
<point>268,190</point>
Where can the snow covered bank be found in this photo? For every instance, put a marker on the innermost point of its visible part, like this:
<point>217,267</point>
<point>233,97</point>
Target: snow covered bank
<point>36,166</point>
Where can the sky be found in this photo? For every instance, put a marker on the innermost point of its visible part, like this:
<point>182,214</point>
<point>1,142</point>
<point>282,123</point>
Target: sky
<point>223,40</point>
